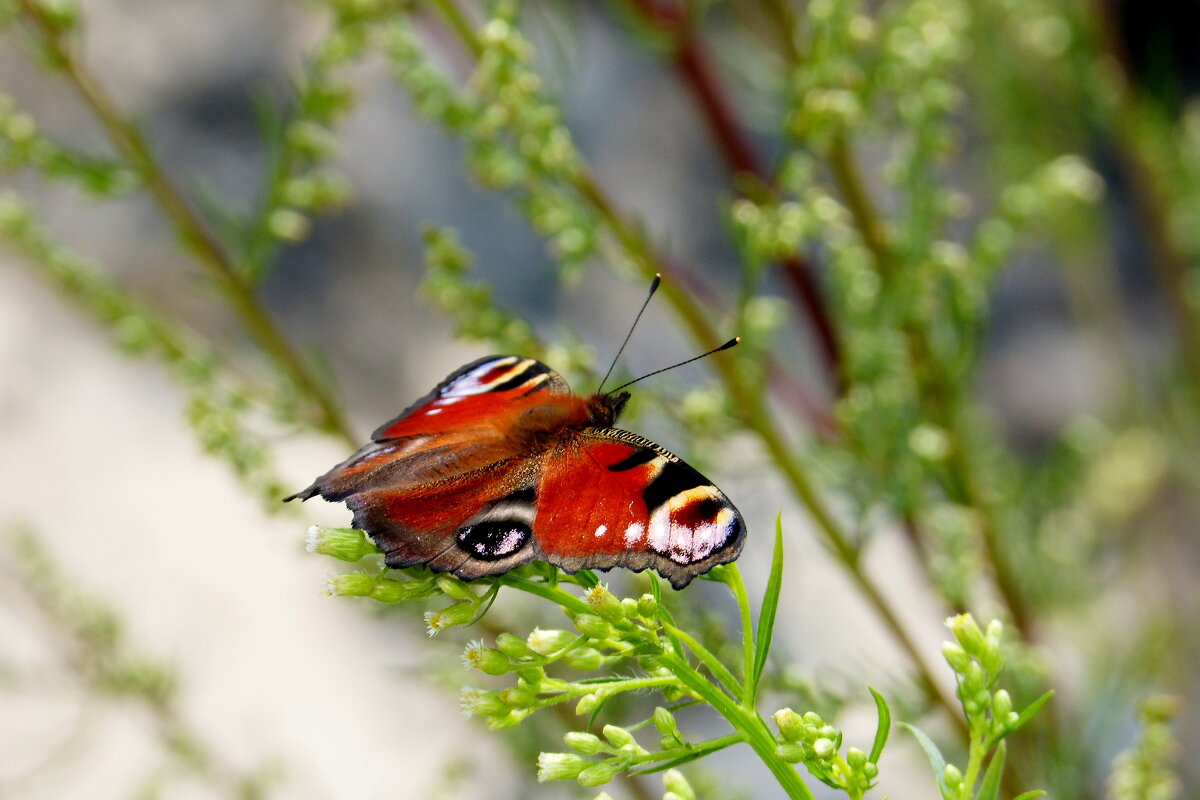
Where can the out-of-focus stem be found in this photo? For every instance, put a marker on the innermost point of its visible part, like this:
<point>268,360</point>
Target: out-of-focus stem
<point>190,228</point>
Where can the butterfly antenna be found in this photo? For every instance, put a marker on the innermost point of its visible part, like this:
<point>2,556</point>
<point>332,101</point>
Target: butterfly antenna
<point>732,342</point>
<point>653,288</point>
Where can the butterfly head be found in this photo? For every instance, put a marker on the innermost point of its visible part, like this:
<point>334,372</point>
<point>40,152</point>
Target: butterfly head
<point>603,409</point>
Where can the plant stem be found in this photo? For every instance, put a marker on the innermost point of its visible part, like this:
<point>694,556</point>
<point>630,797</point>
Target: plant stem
<point>190,228</point>
<point>738,586</point>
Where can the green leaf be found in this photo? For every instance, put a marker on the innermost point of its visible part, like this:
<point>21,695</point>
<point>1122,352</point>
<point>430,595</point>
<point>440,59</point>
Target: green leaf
<point>883,728</point>
<point>1030,795</point>
<point>1023,717</point>
<point>770,605</point>
<point>990,788</point>
<point>936,759</point>
<point>587,579</point>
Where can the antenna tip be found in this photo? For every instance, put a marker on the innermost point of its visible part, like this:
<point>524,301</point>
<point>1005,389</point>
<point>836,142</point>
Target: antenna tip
<point>731,343</point>
<point>654,283</point>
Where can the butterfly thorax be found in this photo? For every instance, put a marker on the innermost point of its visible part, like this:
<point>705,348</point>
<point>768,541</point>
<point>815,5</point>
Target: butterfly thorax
<point>603,409</point>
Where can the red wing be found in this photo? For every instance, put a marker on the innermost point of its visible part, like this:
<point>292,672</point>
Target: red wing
<point>466,423</point>
<point>474,395</point>
<point>608,497</point>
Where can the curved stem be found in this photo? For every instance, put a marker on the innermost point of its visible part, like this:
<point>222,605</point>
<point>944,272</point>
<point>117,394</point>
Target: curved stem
<point>738,587</point>
<point>190,228</point>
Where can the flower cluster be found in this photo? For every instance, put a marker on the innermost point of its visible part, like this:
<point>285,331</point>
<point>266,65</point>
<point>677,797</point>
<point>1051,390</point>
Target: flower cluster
<point>809,740</point>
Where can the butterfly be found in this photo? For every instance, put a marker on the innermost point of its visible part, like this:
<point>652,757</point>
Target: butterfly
<point>501,464</point>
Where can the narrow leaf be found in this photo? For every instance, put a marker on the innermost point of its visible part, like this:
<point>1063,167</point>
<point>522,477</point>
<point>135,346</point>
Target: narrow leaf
<point>882,729</point>
<point>1024,716</point>
<point>936,759</point>
<point>1030,795</point>
<point>770,605</point>
<point>990,788</point>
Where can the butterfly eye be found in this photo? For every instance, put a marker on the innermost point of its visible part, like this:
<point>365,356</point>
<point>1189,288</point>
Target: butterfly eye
<point>494,539</point>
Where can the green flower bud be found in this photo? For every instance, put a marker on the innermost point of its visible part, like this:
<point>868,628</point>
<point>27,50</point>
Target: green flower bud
<point>665,722</point>
<point>355,584</point>
<point>546,643</point>
<point>586,659</point>
<point>513,646</point>
<point>345,544</point>
<point>629,607</point>
<point>455,588</point>
<point>560,766</point>
<point>813,719</point>
<point>480,702</point>
<point>457,614</point>
<point>675,783</point>
<point>956,657</point>
<point>599,774</point>
<point>871,771</point>
<point>967,632</point>
<point>824,749</point>
<point>1001,704</point>
<point>791,725</point>
<point>791,752</point>
<point>603,796</point>
<point>952,776</point>
<point>606,605</point>
<point>586,743</point>
<point>647,606</point>
<point>590,702</point>
<point>856,758</point>
<point>828,732</point>
<point>593,626</point>
<point>288,224</point>
<point>505,721</point>
<point>485,659</point>
<point>518,696</point>
<point>617,736</point>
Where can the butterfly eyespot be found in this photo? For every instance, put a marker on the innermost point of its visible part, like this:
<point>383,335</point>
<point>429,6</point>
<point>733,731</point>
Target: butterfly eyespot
<point>494,539</point>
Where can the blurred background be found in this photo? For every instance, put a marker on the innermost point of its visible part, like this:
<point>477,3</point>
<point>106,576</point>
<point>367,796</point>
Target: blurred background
<point>130,545</point>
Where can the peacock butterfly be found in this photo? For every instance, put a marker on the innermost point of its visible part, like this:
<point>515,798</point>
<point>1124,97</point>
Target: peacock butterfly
<point>501,464</point>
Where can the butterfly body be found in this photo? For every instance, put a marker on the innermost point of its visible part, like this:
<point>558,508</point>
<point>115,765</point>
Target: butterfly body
<point>501,465</point>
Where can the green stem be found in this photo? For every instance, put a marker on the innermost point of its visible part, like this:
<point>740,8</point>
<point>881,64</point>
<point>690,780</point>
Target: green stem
<point>738,586</point>
<point>749,724</point>
<point>719,670</point>
<point>231,280</point>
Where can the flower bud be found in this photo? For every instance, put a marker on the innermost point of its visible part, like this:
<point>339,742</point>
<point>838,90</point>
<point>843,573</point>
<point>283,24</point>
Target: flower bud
<point>617,736</point>
<point>485,659</point>
<point>518,696</point>
<point>605,605</point>
<point>952,776</point>
<point>675,783</point>
<point>586,659</point>
<point>457,614</point>
<point>513,646</point>
<point>967,632</point>
<point>791,752</point>
<point>647,606</point>
<point>599,774</point>
<point>354,584</point>
<point>560,766</point>
<point>665,722</point>
<point>871,771</point>
<point>345,544</point>
<point>586,743</point>
<point>813,719</point>
<point>629,608</point>
<point>455,588</point>
<point>481,702</point>
<point>1001,705</point>
<point>824,749</point>
<point>546,643</point>
<point>956,657</point>
<point>590,702</point>
<point>593,626</point>
<point>790,724</point>
<point>856,758</point>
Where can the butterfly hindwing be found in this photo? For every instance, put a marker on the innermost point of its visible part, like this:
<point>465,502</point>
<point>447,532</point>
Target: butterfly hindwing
<point>608,497</point>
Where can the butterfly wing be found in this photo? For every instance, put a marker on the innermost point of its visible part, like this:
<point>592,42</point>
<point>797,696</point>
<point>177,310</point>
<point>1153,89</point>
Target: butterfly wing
<point>450,482</point>
<point>465,424</point>
<point>607,497</point>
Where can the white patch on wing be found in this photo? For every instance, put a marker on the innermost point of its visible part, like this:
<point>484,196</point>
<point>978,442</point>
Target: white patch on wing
<point>600,531</point>
<point>433,411</point>
<point>685,543</point>
<point>660,530</point>
<point>633,534</point>
<point>470,383</point>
